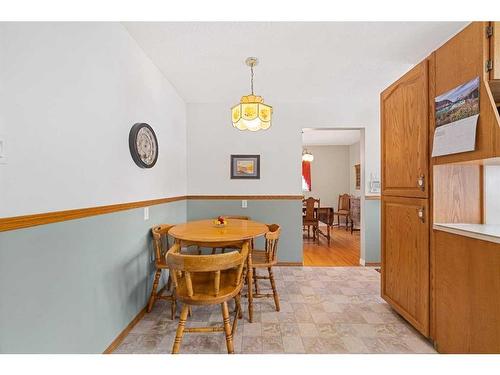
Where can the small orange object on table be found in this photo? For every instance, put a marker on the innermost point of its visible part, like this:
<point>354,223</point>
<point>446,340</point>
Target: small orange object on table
<point>205,233</point>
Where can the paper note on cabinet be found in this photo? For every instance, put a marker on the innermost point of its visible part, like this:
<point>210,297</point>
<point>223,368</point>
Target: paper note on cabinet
<point>458,136</point>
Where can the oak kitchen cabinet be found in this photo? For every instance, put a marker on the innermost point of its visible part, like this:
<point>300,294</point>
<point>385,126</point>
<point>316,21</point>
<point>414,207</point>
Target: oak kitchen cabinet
<point>467,303</point>
<point>443,280</point>
<point>405,258</point>
<point>404,135</point>
<point>405,193</point>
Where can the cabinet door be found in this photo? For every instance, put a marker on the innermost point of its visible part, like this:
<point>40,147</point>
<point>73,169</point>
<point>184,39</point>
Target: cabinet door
<point>467,294</point>
<point>404,135</point>
<point>495,49</point>
<point>405,258</point>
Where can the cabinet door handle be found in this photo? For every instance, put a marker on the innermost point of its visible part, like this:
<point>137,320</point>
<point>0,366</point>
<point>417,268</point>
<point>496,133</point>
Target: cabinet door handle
<point>421,214</point>
<point>421,182</point>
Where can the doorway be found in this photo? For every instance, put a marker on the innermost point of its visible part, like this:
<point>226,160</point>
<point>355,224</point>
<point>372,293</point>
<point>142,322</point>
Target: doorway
<point>332,185</point>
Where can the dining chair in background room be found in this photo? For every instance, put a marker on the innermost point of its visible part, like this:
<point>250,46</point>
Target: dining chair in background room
<point>161,246</point>
<point>311,217</point>
<point>343,209</point>
<point>267,258</point>
<point>207,280</point>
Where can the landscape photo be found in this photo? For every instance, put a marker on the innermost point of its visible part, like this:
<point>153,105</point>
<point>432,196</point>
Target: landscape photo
<point>245,167</point>
<point>458,103</point>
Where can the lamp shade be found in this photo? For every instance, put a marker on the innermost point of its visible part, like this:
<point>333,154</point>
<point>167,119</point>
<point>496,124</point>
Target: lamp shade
<point>307,156</point>
<point>251,114</point>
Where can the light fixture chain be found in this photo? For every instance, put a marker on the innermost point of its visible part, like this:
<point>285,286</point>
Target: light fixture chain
<point>251,69</point>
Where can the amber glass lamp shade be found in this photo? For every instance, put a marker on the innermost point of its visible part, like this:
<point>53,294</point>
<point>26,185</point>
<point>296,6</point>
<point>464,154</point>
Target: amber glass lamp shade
<point>251,114</point>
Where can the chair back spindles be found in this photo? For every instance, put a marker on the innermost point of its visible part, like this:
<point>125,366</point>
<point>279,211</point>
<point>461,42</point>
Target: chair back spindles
<point>272,238</point>
<point>311,203</point>
<point>189,284</point>
<point>161,246</point>
<point>344,202</point>
<point>266,259</point>
<point>185,269</point>
<point>161,242</point>
<point>216,283</point>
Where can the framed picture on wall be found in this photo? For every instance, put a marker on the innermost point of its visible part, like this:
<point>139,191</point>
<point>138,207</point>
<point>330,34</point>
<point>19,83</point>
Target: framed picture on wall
<point>357,169</point>
<point>245,167</point>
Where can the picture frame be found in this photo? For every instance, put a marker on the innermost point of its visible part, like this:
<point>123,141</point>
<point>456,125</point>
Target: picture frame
<point>375,186</point>
<point>245,167</point>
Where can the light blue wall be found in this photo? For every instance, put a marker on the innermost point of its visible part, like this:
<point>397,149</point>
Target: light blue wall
<point>287,213</point>
<point>72,287</point>
<point>372,231</point>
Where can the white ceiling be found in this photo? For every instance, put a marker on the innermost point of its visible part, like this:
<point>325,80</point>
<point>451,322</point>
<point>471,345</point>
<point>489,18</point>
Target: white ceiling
<point>330,137</point>
<point>306,62</point>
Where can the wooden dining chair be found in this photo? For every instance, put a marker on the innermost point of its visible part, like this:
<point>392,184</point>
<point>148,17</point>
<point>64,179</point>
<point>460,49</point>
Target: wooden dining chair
<point>343,209</point>
<point>207,280</point>
<point>310,218</point>
<point>161,246</point>
<point>267,258</point>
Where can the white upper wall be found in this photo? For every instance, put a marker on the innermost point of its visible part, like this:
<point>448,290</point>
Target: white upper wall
<point>329,174</point>
<point>311,137</point>
<point>69,94</point>
<point>212,139</point>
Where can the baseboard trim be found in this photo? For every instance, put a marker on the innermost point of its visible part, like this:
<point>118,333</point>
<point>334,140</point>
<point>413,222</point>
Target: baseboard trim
<point>290,264</point>
<point>372,264</point>
<point>119,339</point>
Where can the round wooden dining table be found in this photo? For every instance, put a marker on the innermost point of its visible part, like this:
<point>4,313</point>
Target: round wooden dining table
<point>205,233</point>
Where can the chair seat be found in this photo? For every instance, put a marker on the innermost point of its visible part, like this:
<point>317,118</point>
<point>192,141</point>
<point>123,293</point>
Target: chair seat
<point>309,221</point>
<point>203,287</point>
<point>259,259</point>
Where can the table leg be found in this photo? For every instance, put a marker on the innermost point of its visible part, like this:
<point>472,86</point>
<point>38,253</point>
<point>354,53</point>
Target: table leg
<point>250,284</point>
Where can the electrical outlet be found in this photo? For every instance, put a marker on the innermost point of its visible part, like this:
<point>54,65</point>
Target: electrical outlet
<point>244,203</point>
<point>146,213</point>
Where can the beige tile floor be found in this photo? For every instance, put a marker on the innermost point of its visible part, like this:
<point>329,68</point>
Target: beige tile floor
<point>323,310</point>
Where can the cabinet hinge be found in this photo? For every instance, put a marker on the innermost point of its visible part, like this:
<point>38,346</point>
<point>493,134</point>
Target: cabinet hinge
<point>489,31</point>
<point>489,65</point>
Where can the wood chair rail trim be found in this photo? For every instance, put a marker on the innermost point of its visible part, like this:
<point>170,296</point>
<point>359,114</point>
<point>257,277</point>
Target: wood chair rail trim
<point>27,221</point>
<point>247,197</point>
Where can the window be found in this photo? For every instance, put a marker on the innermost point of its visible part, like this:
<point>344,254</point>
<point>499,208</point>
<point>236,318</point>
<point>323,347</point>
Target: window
<point>306,175</point>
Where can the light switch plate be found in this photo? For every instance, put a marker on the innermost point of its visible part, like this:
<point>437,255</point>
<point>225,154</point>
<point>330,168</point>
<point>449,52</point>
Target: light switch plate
<point>244,203</point>
<point>146,213</point>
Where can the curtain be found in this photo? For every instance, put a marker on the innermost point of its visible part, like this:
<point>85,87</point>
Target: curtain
<point>306,175</point>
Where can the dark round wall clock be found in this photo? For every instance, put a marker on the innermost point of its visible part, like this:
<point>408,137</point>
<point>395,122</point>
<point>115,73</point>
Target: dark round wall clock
<point>143,145</point>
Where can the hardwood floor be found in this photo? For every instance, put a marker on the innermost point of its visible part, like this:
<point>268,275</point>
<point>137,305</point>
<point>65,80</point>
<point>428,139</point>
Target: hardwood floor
<point>343,249</point>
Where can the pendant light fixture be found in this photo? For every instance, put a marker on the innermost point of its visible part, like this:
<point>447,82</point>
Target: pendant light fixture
<point>307,156</point>
<point>251,113</point>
